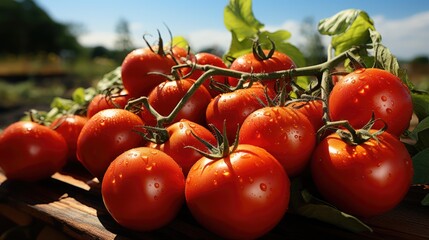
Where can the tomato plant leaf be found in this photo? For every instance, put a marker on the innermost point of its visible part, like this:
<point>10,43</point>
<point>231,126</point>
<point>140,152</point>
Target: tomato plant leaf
<point>78,96</point>
<point>348,28</point>
<point>420,104</point>
<point>421,167</point>
<point>421,134</point>
<point>180,41</point>
<point>425,201</point>
<point>239,18</point>
<point>338,23</point>
<point>305,204</point>
<point>238,48</point>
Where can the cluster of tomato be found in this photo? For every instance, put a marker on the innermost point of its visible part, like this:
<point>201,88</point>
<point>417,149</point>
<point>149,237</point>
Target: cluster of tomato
<point>230,156</point>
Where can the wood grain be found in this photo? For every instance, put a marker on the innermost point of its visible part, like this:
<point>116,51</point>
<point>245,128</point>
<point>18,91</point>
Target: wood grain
<point>71,202</point>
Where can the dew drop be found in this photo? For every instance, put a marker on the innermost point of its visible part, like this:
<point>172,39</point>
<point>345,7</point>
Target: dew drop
<point>225,173</point>
<point>181,125</point>
<point>120,175</point>
<point>113,181</point>
<point>156,185</point>
<point>361,77</point>
<point>383,98</point>
<point>263,187</point>
<point>149,167</point>
<point>360,70</point>
<point>388,110</point>
<point>192,125</point>
<point>251,180</point>
<point>267,113</point>
<point>188,132</point>
<point>362,91</point>
<point>215,182</point>
<point>356,100</point>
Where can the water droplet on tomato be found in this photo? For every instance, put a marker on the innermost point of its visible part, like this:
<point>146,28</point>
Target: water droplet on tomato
<point>361,77</point>
<point>267,113</point>
<point>188,132</point>
<point>383,98</point>
<point>149,167</point>
<point>154,152</point>
<point>215,182</point>
<point>192,125</point>
<point>120,175</point>
<point>114,181</point>
<point>263,187</point>
<point>250,180</point>
<point>180,125</point>
<point>156,185</point>
<point>225,173</point>
<point>388,110</point>
<point>362,91</point>
<point>356,100</point>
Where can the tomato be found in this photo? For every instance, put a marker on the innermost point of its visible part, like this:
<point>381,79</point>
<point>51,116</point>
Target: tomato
<point>241,196</point>
<point>234,107</point>
<point>103,101</point>
<point>136,67</point>
<point>367,91</point>
<point>204,58</point>
<point>181,137</point>
<point>250,62</point>
<point>167,95</point>
<point>69,126</point>
<point>143,189</point>
<point>107,134</point>
<point>181,54</point>
<point>364,180</point>
<point>285,133</point>
<point>313,110</point>
<point>30,151</point>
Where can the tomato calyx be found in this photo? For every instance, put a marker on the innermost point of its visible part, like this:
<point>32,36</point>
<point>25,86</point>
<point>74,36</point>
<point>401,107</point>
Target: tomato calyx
<point>160,50</point>
<point>222,148</point>
<point>352,136</point>
<point>259,53</point>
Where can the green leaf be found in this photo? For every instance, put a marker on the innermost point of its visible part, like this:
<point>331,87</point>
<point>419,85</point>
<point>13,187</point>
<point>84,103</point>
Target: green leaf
<point>420,104</point>
<point>238,48</point>
<point>239,18</point>
<point>180,42</point>
<point>425,201</point>
<point>356,34</point>
<point>338,23</point>
<point>110,80</point>
<point>421,133</point>
<point>62,104</point>
<point>421,167</point>
<point>280,40</point>
<point>293,52</point>
<point>305,204</point>
<point>78,96</point>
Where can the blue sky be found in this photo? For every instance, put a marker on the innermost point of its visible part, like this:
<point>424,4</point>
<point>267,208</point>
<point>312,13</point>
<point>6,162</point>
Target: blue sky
<point>404,24</point>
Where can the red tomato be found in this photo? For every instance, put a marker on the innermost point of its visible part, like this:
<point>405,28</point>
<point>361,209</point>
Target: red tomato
<point>69,126</point>
<point>107,134</point>
<point>180,138</point>
<point>367,91</point>
<point>203,58</point>
<point>364,180</point>
<point>313,110</point>
<point>136,68</point>
<point>167,95</point>
<point>234,107</point>
<point>181,54</point>
<point>31,152</point>
<point>252,63</point>
<point>241,196</point>
<point>102,101</point>
<point>143,189</point>
<point>285,133</point>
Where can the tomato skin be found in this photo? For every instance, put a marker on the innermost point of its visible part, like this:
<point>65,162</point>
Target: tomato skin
<point>235,107</point>
<point>313,110</point>
<point>250,63</point>
<point>143,189</point>
<point>167,95</point>
<point>284,132</point>
<point>204,58</point>
<point>31,152</point>
<point>180,138</point>
<point>102,101</point>
<point>70,126</point>
<point>365,91</point>
<point>242,196</point>
<point>136,66</point>
<point>364,180</point>
<point>107,134</point>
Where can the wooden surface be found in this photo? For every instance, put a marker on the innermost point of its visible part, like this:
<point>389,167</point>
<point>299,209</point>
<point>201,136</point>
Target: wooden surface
<point>71,202</point>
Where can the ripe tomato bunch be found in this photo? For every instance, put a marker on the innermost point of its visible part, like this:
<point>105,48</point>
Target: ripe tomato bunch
<point>226,141</point>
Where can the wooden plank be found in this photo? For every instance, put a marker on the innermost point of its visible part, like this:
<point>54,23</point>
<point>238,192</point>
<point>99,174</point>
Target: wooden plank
<point>71,202</point>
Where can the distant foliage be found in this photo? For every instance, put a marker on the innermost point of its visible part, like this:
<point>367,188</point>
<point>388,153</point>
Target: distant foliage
<point>25,28</point>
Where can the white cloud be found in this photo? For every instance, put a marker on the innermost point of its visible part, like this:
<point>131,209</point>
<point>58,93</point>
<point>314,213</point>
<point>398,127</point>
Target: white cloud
<point>209,38</point>
<point>406,38</point>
